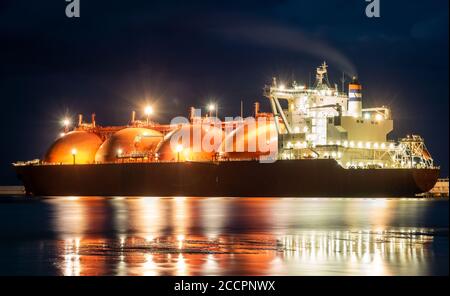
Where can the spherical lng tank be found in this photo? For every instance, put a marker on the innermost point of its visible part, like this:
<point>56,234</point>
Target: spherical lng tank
<point>198,142</point>
<point>251,140</point>
<point>128,141</point>
<point>78,146</point>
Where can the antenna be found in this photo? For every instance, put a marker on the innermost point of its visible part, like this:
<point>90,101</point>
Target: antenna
<point>242,109</point>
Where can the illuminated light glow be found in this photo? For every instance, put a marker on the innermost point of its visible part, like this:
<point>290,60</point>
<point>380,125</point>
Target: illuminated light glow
<point>333,154</point>
<point>361,164</point>
<point>148,110</point>
<point>383,145</point>
<point>119,151</point>
<point>65,122</point>
<point>338,143</point>
<point>392,146</point>
<point>339,154</point>
<point>345,143</point>
<point>179,148</point>
<point>366,115</point>
<point>330,143</point>
<point>348,164</point>
<point>375,145</point>
<point>298,144</point>
<point>360,144</point>
<point>289,144</point>
<point>352,144</point>
<point>305,129</point>
<point>180,239</point>
<point>74,151</point>
<point>211,107</point>
<point>296,129</point>
<point>379,117</point>
<point>367,144</point>
<point>62,134</point>
<point>282,86</point>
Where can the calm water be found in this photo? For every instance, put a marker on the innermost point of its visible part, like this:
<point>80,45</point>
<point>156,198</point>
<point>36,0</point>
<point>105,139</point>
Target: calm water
<point>223,236</point>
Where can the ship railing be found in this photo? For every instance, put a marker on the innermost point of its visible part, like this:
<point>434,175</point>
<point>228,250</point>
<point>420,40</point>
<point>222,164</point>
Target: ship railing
<point>37,162</point>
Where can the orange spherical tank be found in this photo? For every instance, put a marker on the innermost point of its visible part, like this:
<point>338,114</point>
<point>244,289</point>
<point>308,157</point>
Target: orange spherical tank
<point>198,142</point>
<point>127,141</point>
<point>78,146</point>
<point>251,141</point>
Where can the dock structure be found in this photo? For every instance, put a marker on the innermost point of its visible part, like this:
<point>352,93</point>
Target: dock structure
<point>12,190</point>
<point>440,189</point>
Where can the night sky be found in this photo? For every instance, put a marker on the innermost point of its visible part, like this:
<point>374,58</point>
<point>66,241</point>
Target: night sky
<point>120,54</point>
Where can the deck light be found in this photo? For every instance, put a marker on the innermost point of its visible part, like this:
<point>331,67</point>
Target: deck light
<point>148,111</point>
<point>179,149</point>
<point>379,117</point>
<point>211,108</point>
<point>74,154</point>
<point>65,122</point>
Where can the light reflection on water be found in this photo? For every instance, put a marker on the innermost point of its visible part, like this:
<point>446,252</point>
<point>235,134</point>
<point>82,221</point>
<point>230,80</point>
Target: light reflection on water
<point>242,236</point>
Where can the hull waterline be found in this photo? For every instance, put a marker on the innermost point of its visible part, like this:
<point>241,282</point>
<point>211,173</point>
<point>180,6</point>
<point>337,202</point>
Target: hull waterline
<point>283,178</point>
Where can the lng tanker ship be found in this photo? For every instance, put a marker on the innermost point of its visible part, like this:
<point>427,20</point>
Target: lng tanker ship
<point>317,141</point>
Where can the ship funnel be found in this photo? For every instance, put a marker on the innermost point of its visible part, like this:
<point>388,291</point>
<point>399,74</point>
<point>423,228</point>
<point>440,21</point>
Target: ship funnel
<point>355,98</point>
<point>93,119</point>
<point>80,119</point>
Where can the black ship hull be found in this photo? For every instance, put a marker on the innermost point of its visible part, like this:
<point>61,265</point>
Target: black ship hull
<point>283,178</point>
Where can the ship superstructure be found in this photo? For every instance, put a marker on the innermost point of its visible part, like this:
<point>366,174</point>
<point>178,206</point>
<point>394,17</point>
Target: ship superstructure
<point>322,122</point>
